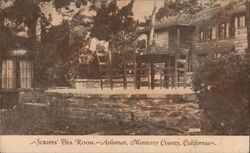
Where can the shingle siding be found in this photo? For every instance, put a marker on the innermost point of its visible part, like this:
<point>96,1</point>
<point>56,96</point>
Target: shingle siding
<point>166,36</point>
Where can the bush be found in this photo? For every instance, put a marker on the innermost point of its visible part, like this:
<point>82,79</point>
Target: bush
<point>223,87</point>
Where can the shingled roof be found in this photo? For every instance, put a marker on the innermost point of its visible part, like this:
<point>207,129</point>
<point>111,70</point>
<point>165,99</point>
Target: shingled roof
<point>207,17</point>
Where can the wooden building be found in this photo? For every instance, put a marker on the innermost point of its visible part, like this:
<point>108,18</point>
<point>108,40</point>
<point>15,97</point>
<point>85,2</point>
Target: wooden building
<point>18,50</point>
<point>190,39</point>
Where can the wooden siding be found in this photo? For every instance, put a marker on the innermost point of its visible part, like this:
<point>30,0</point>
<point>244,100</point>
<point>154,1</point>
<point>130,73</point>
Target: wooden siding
<point>214,46</point>
<point>161,42</point>
<point>165,41</point>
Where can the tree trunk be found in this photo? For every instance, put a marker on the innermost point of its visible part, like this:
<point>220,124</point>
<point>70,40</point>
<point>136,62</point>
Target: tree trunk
<point>248,23</point>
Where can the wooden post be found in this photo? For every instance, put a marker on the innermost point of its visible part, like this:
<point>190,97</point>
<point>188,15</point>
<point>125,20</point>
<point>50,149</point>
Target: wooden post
<point>169,72</point>
<point>110,68</point>
<point>152,28</point>
<point>152,75</point>
<point>176,57</point>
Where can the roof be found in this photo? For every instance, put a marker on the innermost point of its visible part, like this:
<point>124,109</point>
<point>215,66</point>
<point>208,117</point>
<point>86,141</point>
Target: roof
<point>182,19</point>
<point>179,20</point>
<point>207,17</point>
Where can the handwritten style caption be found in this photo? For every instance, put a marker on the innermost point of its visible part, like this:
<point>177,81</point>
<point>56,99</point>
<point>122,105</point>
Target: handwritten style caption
<point>132,142</point>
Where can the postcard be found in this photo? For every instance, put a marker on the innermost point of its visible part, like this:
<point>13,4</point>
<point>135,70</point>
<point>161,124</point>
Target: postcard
<point>124,76</point>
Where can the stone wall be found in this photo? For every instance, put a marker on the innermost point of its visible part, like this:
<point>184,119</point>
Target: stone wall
<point>179,113</point>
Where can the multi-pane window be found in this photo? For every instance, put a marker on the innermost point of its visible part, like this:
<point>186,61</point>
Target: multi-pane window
<point>9,74</point>
<point>222,34</point>
<point>17,74</point>
<point>208,34</point>
<point>214,33</point>
<point>241,21</point>
<point>224,30</point>
<point>26,74</point>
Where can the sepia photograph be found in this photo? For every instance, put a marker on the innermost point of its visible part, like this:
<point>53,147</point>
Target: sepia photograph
<point>125,67</point>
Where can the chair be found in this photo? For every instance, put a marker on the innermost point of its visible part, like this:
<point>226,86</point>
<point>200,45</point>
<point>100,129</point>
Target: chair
<point>135,73</point>
<point>129,71</point>
<point>182,66</point>
<point>104,69</point>
<point>117,70</point>
<point>163,75</point>
<point>167,74</point>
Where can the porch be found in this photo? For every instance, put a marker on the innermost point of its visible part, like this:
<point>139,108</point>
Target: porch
<point>152,70</point>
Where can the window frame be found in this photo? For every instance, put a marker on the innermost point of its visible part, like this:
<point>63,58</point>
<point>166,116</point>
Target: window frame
<point>202,35</point>
<point>17,74</point>
<point>26,78</point>
<point>222,31</point>
<point>216,33</point>
<point>15,77</point>
<point>239,22</point>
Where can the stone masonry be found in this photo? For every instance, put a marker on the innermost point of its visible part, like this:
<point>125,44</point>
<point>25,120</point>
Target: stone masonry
<point>177,112</point>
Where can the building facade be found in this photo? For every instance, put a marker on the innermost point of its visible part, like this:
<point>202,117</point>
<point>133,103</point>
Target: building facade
<point>208,34</point>
<point>18,51</point>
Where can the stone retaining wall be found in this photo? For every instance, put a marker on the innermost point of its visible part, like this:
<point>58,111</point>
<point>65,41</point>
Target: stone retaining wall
<point>116,113</point>
<point>168,111</point>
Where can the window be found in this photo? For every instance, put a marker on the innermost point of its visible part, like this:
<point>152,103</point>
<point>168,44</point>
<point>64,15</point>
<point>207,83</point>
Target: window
<point>227,30</point>
<point>217,55</point>
<point>208,34</point>
<point>9,74</point>
<point>26,74</point>
<point>202,58</point>
<point>222,34</point>
<point>214,33</point>
<point>232,30</point>
<point>241,21</point>
<point>202,36</point>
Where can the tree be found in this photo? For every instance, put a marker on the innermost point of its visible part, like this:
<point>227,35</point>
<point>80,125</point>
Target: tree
<point>223,90</point>
<point>116,26</point>
<point>66,42</point>
<point>248,23</point>
<point>211,4</point>
<point>28,12</point>
<point>173,8</point>
<point>70,40</point>
<point>110,20</point>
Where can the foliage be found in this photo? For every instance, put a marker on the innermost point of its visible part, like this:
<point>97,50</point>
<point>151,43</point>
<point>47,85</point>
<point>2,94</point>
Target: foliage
<point>211,4</point>
<point>223,85</point>
<point>172,8</point>
<point>110,21</point>
<point>72,45</point>
<point>19,13</point>
<point>118,27</point>
<point>67,43</point>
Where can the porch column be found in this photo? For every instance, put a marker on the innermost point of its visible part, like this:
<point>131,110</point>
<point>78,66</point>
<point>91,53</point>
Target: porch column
<point>176,57</point>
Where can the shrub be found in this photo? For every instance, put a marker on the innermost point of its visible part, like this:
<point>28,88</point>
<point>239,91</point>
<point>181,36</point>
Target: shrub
<point>223,87</point>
